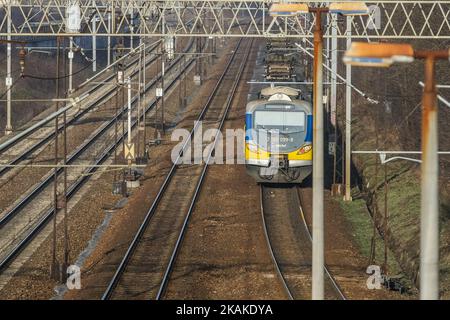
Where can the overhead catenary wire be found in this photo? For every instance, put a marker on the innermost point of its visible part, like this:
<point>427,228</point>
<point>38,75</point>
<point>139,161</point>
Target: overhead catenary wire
<point>364,95</point>
<point>56,78</point>
<point>13,71</point>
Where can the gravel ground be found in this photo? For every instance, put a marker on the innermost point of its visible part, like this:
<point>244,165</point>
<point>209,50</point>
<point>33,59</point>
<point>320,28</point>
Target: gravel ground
<point>224,255</point>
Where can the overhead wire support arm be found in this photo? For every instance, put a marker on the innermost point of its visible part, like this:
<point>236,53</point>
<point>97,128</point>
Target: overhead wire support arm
<point>344,81</point>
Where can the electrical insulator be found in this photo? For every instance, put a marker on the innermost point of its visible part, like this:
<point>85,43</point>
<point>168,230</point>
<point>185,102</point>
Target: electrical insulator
<point>120,64</point>
<point>169,47</point>
<point>73,17</point>
<point>22,54</point>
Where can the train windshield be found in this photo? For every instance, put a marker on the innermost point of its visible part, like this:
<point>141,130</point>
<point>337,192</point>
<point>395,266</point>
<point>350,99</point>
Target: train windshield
<point>281,121</point>
<point>281,130</point>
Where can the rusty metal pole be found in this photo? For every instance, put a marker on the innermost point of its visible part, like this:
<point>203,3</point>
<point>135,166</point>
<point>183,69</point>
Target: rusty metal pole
<point>318,260</point>
<point>429,221</point>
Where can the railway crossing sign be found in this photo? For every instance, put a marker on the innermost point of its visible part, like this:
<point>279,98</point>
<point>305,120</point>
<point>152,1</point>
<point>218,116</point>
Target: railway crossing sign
<point>129,151</point>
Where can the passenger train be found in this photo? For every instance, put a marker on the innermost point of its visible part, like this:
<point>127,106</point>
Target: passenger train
<point>278,140</point>
<point>278,126</point>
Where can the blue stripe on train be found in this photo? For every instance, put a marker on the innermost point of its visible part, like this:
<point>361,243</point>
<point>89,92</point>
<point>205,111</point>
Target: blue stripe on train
<point>248,126</point>
<point>309,129</point>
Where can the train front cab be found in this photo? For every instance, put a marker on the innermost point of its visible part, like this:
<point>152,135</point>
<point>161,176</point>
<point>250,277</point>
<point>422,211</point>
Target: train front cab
<point>289,165</point>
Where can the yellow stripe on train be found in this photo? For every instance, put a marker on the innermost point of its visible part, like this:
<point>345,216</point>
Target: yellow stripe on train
<point>260,154</point>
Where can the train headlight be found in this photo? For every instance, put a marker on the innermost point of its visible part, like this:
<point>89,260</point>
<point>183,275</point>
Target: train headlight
<point>304,149</point>
<point>252,147</point>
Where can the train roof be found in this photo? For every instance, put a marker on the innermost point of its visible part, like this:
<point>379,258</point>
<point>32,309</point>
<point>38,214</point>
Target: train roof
<point>303,104</point>
<point>270,91</point>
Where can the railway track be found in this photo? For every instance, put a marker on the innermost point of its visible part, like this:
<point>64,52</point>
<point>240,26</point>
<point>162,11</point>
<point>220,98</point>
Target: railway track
<point>76,154</point>
<point>147,265</point>
<point>26,145</point>
<point>290,243</point>
<point>36,206</point>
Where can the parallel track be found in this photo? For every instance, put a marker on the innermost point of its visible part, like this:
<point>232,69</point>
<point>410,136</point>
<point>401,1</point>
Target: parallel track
<point>330,276</point>
<point>290,244</point>
<point>76,154</point>
<point>71,120</point>
<point>146,267</point>
<point>73,188</point>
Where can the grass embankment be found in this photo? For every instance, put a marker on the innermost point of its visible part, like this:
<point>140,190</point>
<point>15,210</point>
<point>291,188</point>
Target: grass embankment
<point>403,207</point>
<point>362,231</point>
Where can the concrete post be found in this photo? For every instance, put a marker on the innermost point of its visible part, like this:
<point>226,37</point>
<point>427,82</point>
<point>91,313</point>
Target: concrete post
<point>429,221</point>
<point>108,59</point>
<point>128,81</point>
<point>318,167</point>
<point>8,128</point>
<point>70,56</point>
<point>94,44</point>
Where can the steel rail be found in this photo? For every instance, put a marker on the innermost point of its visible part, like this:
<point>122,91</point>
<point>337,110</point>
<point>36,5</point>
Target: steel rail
<point>75,155</point>
<point>169,269</point>
<point>21,136</point>
<point>128,254</point>
<point>269,245</point>
<point>336,286</point>
<point>83,179</point>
